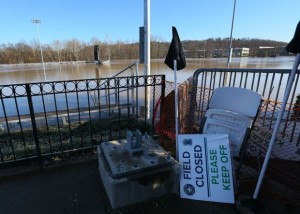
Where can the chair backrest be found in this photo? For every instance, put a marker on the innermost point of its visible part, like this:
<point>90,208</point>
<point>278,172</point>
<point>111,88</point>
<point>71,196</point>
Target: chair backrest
<point>239,100</point>
<point>231,111</point>
<point>219,121</point>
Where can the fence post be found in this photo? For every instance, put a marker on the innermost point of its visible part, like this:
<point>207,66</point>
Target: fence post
<point>33,123</point>
<point>163,91</point>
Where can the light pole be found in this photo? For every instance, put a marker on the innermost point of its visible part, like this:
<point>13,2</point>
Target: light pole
<point>230,42</point>
<point>37,22</point>
<point>229,48</point>
<point>147,52</point>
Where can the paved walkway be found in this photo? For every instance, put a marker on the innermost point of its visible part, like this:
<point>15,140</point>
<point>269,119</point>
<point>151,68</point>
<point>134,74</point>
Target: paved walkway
<point>77,188</point>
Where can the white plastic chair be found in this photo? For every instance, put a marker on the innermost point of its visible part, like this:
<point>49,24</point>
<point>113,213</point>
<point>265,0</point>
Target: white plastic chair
<point>232,111</point>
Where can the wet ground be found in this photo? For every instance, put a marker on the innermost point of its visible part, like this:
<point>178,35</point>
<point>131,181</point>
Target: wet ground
<point>75,187</point>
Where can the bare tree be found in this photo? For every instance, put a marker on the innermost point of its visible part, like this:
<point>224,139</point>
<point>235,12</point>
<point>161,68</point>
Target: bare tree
<point>57,46</point>
<point>73,47</point>
<point>35,49</point>
<point>95,41</point>
<point>50,52</point>
<point>158,50</point>
<point>77,50</point>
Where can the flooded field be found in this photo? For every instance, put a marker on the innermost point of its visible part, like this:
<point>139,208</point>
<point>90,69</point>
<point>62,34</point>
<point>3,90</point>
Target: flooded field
<point>14,74</point>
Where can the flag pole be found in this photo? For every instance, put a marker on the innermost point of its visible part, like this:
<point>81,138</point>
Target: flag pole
<point>176,107</point>
<point>293,47</point>
<point>277,124</point>
<point>176,61</point>
<point>252,205</point>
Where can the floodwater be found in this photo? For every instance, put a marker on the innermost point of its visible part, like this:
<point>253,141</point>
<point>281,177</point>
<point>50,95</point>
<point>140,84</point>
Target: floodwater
<point>15,74</point>
<point>30,73</point>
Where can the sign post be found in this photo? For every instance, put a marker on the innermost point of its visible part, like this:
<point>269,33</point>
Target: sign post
<point>206,170</point>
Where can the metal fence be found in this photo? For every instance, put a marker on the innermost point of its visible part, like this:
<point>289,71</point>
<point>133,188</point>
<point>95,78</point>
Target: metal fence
<point>284,163</point>
<point>194,96</point>
<point>268,82</point>
<point>38,120</point>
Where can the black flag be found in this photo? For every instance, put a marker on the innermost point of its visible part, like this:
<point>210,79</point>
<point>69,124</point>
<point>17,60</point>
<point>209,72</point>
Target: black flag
<point>175,52</point>
<point>294,45</point>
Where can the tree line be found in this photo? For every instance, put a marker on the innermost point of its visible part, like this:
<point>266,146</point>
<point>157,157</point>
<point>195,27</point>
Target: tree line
<point>76,50</point>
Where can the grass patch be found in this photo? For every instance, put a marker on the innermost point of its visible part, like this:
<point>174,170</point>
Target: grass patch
<point>58,139</point>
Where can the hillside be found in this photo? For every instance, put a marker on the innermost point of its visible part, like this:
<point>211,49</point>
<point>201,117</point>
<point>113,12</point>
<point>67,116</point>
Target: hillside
<point>76,50</point>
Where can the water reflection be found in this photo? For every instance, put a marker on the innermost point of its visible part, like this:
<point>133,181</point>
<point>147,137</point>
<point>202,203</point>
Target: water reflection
<point>15,74</point>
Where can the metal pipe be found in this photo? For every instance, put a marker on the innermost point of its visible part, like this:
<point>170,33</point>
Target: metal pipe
<point>37,22</point>
<point>176,107</point>
<point>147,37</point>
<point>230,43</point>
<point>147,54</point>
<point>277,124</point>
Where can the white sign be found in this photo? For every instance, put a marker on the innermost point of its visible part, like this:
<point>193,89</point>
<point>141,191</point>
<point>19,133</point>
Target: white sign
<point>206,170</point>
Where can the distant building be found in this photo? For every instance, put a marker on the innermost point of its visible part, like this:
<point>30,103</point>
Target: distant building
<point>265,47</point>
<point>240,52</point>
<point>201,53</point>
<point>188,53</point>
<point>217,53</point>
<point>271,51</point>
<point>264,51</point>
<point>236,52</point>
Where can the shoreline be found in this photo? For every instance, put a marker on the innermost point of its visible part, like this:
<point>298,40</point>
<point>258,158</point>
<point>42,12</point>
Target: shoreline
<point>235,59</point>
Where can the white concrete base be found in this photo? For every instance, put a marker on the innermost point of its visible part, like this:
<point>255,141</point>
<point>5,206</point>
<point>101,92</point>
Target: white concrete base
<point>140,186</point>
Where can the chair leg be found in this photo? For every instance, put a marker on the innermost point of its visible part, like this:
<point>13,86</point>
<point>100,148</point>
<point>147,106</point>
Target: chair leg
<point>243,151</point>
<point>202,125</point>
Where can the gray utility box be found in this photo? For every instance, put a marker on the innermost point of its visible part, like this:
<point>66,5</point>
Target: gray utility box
<point>135,175</point>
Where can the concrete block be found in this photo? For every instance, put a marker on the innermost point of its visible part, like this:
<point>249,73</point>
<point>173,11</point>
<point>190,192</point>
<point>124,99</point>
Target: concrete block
<point>139,185</point>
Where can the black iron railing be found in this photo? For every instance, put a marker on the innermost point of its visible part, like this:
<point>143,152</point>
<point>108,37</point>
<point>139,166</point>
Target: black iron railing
<point>46,118</point>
